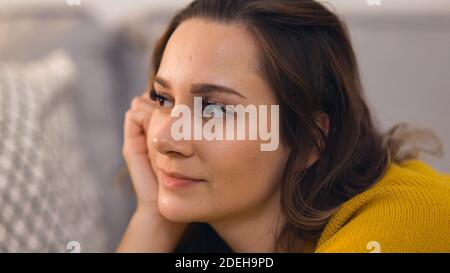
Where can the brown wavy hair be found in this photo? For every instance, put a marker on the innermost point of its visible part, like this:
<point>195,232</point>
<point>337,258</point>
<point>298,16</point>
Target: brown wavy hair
<point>307,59</point>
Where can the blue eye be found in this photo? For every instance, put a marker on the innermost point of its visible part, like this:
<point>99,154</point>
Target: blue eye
<point>161,100</point>
<point>214,110</point>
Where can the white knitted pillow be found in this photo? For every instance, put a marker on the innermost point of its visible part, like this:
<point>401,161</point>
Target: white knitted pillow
<point>47,196</point>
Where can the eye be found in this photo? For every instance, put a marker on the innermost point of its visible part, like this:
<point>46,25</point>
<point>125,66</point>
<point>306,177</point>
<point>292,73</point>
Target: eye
<point>214,109</point>
<point>161,100</point>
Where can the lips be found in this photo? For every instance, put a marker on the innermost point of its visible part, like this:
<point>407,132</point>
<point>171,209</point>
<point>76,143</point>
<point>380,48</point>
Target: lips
<point>177,180</point>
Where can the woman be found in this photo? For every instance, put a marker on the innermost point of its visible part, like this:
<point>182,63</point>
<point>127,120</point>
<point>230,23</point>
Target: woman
<point>335,183</point>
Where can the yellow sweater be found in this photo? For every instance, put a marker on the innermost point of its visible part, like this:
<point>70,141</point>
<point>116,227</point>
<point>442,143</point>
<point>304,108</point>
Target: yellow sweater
<point>408,210</point>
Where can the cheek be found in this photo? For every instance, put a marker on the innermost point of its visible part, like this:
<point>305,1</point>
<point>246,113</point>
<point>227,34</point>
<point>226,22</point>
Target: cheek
<point>156,124</point>
<point>242,175</point>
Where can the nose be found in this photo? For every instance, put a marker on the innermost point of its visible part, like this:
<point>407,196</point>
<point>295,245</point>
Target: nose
<point>164,143</point>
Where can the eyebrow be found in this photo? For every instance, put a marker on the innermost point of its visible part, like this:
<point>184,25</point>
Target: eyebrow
<point>202,88</point>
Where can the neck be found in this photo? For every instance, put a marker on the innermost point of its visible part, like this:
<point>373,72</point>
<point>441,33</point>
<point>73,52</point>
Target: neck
<point>253,231</point>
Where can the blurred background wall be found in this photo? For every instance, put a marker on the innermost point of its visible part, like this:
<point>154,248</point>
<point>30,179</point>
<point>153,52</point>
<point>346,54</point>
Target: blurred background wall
<point>402,47</point>
<point>112,11</point>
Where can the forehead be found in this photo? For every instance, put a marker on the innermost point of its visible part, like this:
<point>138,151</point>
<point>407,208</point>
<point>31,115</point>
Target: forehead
<point>205,50</point>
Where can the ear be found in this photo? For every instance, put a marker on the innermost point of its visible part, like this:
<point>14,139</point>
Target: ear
<point>323,122</point>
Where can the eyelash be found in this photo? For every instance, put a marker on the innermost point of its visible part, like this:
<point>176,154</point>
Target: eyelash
<point>154,96</point>
<point>206,101</point>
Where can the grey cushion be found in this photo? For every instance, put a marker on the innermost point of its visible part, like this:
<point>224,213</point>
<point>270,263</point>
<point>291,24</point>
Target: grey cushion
<point>47,193</point>
<point>30,33</point>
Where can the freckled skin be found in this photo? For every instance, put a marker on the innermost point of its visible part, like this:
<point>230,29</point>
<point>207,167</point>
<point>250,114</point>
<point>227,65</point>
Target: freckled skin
<point>240,178</point>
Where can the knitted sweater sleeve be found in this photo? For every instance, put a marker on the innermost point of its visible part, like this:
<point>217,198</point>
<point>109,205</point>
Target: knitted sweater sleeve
<point>410,213</point>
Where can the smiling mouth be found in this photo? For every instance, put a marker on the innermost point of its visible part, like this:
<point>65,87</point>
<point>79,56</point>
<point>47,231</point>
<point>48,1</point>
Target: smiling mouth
<point>176,180</point>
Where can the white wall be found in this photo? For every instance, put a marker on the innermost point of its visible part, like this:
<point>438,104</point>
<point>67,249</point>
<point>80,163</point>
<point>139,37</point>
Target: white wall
<point>112,11</point>
<point>108,11</point>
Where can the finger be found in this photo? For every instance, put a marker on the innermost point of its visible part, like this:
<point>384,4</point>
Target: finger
<point>146,122</point>
<point>141,104</point>
<point>134,121</point>
<point>135,148</point>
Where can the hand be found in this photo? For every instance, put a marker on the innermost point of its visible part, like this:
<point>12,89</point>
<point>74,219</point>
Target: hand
<point>135,152</point>
<point>148,230</point>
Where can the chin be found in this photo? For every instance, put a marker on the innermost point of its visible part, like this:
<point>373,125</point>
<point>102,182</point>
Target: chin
<point>177,211</point>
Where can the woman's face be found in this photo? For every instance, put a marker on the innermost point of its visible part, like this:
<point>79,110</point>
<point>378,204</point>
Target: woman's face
<point>237,177</point>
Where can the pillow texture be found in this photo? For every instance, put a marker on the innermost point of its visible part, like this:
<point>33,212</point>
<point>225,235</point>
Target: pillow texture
<point>48,199</point>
